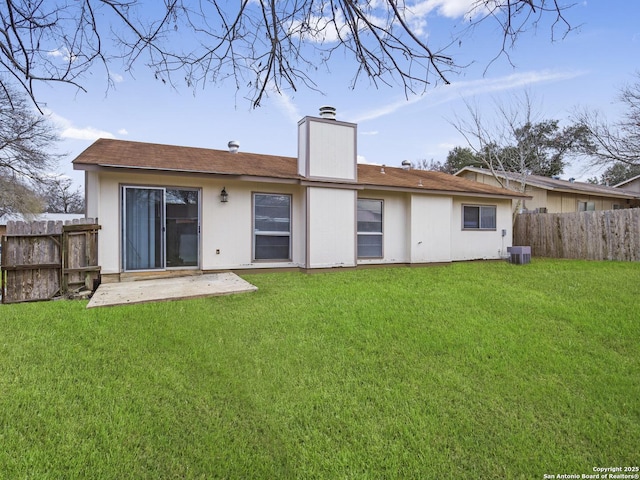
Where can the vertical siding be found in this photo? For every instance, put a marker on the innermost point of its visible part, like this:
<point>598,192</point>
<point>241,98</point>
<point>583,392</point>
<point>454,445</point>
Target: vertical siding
<point>109,217</point>
<point>332,150</point>
<point>430,230</point>
<point>331,228</point>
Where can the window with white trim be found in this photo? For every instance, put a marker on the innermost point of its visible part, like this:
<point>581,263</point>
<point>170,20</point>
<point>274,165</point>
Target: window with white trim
<point>271,226</point>
<point>478,217</point>
<point>369,228</point>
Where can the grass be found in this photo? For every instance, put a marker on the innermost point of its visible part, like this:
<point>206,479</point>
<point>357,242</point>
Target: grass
<point>473,370</point>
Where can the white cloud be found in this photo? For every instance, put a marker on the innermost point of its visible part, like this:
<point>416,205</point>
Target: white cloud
<point>372,132</point>
<point>329,27</point>
<point>286,105</point>
<point>457,90</point>
<point>361,159</point>
<point>116,77</point>
<point>320,29</point>
<point>445,8</point>
<point>446,146</point>
<point>123,131</point>
<point>70,131</point>
<point>62,53</point>
<point>86,133</point>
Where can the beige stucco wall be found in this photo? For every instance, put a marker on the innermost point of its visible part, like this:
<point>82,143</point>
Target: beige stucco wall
<point>428,229</point>
<point>416,228</point>
<point>395,225</point>
<point>481,244</point>
<point>225,227</point>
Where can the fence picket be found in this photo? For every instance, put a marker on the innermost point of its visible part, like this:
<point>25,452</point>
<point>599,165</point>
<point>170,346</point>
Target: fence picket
<point>598,235</point>
<point>44,259</point>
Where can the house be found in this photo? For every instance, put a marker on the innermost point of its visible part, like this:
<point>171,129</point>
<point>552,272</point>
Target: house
<point>165,208</point>
<point>553,195</point>
<point>632,184</point>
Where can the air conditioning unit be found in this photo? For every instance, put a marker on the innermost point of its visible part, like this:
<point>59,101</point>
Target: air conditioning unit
<point>519,255</point>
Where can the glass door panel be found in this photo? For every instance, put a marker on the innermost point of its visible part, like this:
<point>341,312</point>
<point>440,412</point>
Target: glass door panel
<point>182,212</point>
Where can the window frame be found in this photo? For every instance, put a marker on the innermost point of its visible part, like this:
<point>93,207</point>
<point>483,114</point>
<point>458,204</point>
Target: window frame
<point>267,233</point>
<point>586,204</point>
<point>370,234</point>
<point>480,207</point>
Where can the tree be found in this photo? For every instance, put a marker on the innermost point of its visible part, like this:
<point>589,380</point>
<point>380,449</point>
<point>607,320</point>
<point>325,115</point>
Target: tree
<point>461,157</point>
<point>59,196</point>
<point>423,164</point>
<point>16,197</point>
<point>547,145</point>
<point>457,159</point>
<point>26,138</point>
<point>617,173</point>
<point>259,45</point>
<point>617,142</point>
<point>516,144</point>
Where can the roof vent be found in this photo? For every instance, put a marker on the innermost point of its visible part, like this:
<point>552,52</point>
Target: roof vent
<point>572,179</point>
<point>328,112</point>
<point>406,164</point>
<point>233,145</point>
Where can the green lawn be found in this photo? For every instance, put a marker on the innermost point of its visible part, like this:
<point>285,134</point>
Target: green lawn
<point>472,370</point>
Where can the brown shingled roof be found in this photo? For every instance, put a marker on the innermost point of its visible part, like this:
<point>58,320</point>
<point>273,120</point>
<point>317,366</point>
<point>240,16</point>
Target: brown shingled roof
<point>125,154</point>
<point>151,156</point>
<point>425,180</point>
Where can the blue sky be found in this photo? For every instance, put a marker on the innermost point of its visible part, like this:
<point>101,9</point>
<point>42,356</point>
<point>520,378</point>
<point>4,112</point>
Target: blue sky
<point>585,69</point>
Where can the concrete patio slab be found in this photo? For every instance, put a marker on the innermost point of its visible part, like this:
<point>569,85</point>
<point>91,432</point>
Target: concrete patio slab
<point>160,290</point>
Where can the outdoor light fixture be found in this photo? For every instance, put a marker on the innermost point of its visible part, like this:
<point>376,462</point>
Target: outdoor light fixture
<point>224,196</point>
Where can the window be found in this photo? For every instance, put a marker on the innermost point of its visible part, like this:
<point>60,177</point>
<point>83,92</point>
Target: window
<point>271,227</point>
<point>586,206</point>
<point>369,228</point>
<point>479,217</point>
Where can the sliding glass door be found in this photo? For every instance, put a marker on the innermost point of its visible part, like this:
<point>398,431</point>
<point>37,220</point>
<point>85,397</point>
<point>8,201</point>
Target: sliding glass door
<point>160,228</point>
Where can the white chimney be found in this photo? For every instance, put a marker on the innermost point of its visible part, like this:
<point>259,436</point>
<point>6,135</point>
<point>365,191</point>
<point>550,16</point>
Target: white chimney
<point>233,145</point>
<point>328,112</point>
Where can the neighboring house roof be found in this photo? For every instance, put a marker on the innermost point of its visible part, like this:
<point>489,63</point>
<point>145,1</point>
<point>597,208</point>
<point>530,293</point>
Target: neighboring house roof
<point>633,179</point>
<point>109,153</point>
<point>567,186</point>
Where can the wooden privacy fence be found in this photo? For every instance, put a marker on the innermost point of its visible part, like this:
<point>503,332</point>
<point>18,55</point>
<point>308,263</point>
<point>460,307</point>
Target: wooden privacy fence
<point>599,235</point>
<point>46,259</point>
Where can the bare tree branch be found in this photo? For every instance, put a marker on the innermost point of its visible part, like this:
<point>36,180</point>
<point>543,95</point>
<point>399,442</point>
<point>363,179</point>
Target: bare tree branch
<point>617,141</point>
<point>261,45</point>
<point>25,152</point>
